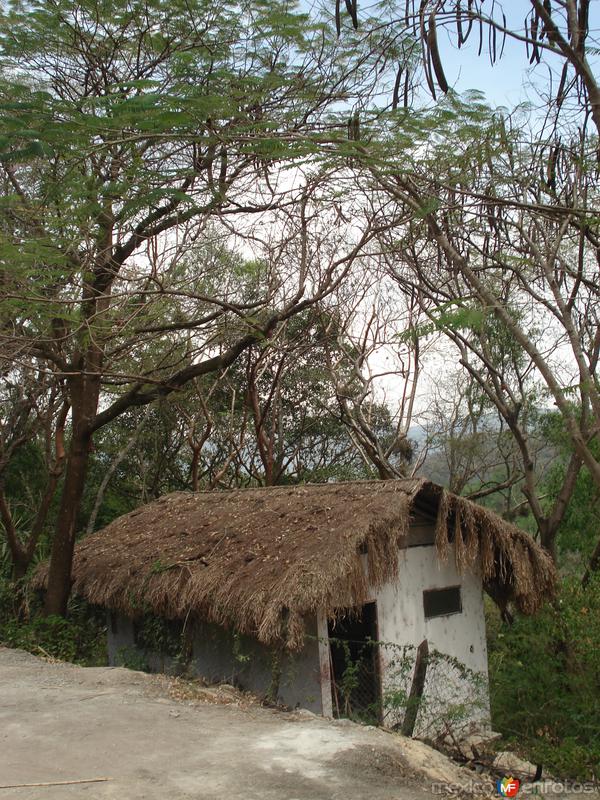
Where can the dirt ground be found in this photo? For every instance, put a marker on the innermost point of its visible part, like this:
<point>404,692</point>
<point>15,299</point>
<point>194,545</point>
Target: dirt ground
<point>157,738</point>
<point>59,722</point>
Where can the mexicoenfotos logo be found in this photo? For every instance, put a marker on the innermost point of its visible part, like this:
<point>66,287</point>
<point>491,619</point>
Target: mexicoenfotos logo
<point>508,786</point>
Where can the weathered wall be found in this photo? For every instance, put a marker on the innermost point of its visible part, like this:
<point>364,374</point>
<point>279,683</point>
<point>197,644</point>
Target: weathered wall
<point>460,636</point>
<point>219,655</point>
<point>121,642</point>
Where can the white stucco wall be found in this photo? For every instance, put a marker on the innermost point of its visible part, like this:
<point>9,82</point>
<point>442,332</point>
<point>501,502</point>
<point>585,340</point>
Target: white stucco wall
<point>461,635</point>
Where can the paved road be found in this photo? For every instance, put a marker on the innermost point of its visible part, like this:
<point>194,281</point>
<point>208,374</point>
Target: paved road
<point>59,722</point>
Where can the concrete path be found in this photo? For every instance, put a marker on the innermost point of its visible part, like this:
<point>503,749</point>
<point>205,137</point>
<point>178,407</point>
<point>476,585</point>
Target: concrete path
<point>59,722</point>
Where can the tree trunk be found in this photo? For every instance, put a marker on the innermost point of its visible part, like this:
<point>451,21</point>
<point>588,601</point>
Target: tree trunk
<point>84,404</point>
<point>20,566</point>
<point>548,538</point>
<point>61,558</point>
<point>593,566</point>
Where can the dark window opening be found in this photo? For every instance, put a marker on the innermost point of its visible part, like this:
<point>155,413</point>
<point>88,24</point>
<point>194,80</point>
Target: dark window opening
<point>114,622</point>
<point>355,678</point>
<point>441,602</point>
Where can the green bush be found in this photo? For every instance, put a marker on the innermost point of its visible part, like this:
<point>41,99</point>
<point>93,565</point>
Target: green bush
<point>158,635</point>
<point>80,637</point>
<point>53,636</point>
<point>168,639</point>
<point>545,682</point>
<point>131,658</point>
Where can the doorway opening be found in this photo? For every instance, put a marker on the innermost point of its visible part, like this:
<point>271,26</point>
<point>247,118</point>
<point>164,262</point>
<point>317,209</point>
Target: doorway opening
<point>355,668</point>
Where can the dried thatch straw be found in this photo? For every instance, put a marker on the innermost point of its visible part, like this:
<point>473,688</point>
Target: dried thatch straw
<point>260,560</point>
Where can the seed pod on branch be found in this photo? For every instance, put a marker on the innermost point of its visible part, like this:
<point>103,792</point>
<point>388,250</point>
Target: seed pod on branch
<point>223,171</point>
<point>436,60</point>
<point>551,168</point>
<point>396,93</point>
<point>533,29</point>
<point>470,18</point>
<point>503,34</point>
<point>583,25</point>
<point>492,45</point>
<point>425,49</point>
<point>459,28</point>
<point>352,9</point>
<point>561,94</point>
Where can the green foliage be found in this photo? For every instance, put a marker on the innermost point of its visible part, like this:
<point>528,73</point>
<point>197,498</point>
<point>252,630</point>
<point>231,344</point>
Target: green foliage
<point>131,658</point>
<point>53,636</point>
<point>580,528</point>
<point>80,637</point>
<point>348,686</point>
<point>157,635</point>
<point>545,682</point>
<point>455,315</point>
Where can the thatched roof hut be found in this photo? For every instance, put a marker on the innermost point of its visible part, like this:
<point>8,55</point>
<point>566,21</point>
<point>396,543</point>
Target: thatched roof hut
<point>260,560</point>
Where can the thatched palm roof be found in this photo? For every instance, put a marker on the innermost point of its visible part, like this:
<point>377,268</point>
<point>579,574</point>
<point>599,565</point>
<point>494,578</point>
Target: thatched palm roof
<point>260,560</point>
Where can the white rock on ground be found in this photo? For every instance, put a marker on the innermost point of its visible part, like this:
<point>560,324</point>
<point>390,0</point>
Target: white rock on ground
<point>511,764</point>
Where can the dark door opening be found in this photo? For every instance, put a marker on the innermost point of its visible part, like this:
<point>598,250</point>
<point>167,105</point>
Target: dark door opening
<point>355,674</point>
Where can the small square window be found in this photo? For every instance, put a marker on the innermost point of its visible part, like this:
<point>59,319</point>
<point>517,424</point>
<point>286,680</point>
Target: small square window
<point>441,602</point>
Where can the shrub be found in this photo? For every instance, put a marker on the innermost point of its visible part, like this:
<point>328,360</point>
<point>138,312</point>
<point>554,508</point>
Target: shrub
<point>80,637</point>
<point>131,658</point>
<point>545,682</point>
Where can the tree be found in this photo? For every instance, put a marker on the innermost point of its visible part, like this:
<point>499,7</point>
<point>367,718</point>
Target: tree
<point>470,447</point>
<point>496,214</point>
<point>126,127</point>
<point>33,416</point>
<point>492,226</point>
<point>370,342</point>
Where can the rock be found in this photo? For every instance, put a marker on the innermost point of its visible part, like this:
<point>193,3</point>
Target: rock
<point>227,687</point>
<point>431,763</point>
<point>304,713</point>
<point>473,745</point>
<point>510,764</point>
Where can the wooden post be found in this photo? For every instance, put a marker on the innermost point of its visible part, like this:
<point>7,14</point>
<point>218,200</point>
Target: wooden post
<point>325,671</point>
<point>416,689</point>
